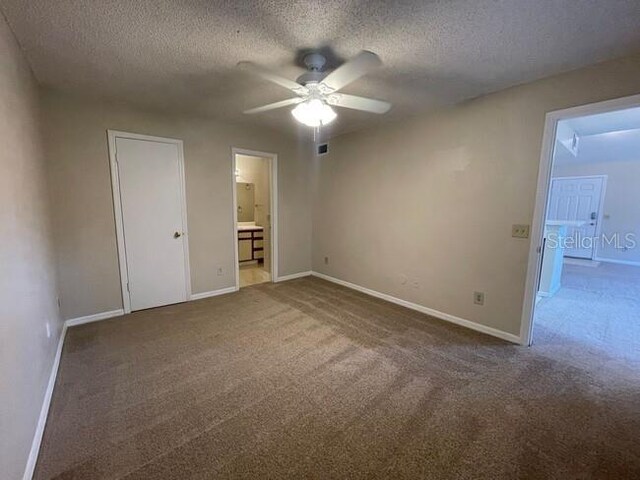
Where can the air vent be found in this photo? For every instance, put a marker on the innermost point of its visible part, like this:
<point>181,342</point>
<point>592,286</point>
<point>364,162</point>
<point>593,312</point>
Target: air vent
<point>323,149</point>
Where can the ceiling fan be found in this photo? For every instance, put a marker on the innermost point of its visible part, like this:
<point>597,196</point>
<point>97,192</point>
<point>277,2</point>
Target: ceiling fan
<point>318,90</point>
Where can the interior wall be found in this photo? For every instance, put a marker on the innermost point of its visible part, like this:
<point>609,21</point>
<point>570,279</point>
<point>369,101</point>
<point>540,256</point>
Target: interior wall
<point>422,209</point>
<point>27,284</point>
<point>84,228</point>
<point>256,170</point>
<point>621,210</point>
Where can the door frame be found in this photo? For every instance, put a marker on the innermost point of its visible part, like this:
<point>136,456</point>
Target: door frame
<point>603,191</point>
<point>542,198</point>
<point>112,135</point>
<point>273,198</point>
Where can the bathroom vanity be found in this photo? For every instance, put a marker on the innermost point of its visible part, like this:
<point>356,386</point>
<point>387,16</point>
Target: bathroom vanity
<point>250,242</point>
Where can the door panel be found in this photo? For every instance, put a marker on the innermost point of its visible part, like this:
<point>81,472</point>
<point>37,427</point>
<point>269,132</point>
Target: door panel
<point>151,198</point>
<point>577,199</point>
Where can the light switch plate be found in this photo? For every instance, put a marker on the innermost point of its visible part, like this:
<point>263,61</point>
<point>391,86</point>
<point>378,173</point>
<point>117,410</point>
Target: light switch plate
<point>478,298</point>
<point>520,231</point>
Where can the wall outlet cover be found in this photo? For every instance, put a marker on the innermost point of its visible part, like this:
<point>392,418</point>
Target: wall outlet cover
<point>478,298</point>
<point>520,231</point>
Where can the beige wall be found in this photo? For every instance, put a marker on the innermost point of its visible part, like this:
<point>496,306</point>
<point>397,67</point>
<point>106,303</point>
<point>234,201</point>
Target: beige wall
<point>422,209</point>
<point>621,203</point>
<point>84,230</point>
<point>27,283</point>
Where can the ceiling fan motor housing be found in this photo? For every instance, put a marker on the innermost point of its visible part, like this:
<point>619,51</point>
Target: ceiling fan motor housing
<point>311,77</point>
<point>314,63</point>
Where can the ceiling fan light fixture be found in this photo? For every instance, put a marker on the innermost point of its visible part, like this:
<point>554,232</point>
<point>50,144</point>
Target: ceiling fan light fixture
<point>314,113</point>
<point>317,90</point>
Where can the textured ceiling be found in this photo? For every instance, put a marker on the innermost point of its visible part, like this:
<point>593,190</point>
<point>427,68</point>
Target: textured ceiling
<point>181,55</point>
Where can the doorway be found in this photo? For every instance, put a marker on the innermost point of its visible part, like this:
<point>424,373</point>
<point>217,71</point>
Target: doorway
<point>583,281</point>
<point>255,214</point>
<point>147,177</point>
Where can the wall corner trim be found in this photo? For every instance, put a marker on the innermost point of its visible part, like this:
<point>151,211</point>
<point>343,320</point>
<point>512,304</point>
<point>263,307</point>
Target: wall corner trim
<point>293,276</point>
<point>494,332</point>
<point>93,318</point>
<point>213,293</point>
<point>44,411</point>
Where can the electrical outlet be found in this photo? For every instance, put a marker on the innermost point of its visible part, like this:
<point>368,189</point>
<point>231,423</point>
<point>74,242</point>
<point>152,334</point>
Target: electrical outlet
<point>326,260</point>
<point>220,271</point>
<point>520,231</point>
<point>478,298</point>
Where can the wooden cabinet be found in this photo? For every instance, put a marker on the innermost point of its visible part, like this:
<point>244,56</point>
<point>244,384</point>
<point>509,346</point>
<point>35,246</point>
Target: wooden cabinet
<point>250,244</point>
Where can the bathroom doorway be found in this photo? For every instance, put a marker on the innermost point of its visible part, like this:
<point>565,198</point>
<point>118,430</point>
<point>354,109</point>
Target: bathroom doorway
<point>254,187</point>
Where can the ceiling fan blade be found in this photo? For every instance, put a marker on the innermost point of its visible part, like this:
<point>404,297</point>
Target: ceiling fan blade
<point>358,103</point>
<point>273,106</point>
<point>273,77</point>
<point>358,66</point>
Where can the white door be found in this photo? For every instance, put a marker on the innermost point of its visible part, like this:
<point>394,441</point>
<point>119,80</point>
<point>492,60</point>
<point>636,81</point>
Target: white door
<point>577,199</point>
<point>151,195</point>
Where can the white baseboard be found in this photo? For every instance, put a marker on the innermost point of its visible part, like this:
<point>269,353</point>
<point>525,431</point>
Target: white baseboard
<point>293,276</point>
<point>93,318</point>
<point>541,293</point>
<point>44,411</point>
<point>426,310</point>
<point>213,293</point>
<point>619,262</point>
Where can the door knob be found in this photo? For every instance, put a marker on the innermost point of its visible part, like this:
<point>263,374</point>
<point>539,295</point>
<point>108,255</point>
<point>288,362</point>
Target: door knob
<point>177,235</point>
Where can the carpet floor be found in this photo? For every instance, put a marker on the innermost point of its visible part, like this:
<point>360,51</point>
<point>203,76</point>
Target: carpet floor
<point>307,379</point>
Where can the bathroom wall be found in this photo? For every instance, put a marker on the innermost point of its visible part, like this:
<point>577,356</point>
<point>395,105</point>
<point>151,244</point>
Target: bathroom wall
<point>256,171</point>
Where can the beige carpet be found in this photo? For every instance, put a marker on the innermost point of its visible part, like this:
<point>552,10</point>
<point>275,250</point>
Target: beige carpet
<point>306,379</point>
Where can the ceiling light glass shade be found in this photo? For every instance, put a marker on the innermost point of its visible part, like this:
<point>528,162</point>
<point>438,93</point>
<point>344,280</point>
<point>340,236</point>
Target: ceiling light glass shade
<point>314,113</point>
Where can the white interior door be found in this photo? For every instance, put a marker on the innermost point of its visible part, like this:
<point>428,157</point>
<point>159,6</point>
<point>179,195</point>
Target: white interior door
<point>577,199</point>
<point>153,224</point>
